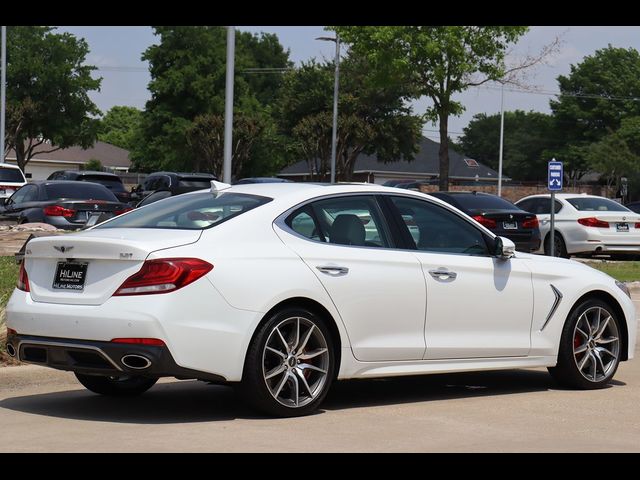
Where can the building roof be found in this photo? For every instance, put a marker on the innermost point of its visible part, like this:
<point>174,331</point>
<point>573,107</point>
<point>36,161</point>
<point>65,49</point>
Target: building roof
<point>426,162</point>
<point>109,155</point>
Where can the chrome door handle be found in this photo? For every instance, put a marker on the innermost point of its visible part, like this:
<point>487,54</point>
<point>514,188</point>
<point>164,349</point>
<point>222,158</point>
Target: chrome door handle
<point>443,274</point>
<point>333,270</point>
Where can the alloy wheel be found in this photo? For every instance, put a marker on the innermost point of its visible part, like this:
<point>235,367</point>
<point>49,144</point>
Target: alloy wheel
<point>295,362</point>
<point>596,344</point>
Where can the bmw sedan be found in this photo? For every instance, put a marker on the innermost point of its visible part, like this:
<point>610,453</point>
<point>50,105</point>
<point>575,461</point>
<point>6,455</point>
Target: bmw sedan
<point>282,289</point>
<point>585,224</point>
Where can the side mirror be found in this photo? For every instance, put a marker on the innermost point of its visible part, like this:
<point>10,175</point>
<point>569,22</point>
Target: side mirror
<point>504,248</point>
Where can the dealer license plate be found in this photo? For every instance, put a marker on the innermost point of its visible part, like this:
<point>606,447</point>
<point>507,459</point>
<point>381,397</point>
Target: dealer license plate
<point>70,276</point>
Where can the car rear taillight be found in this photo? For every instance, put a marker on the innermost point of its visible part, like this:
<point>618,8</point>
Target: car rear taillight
<point>11,331</point>
<point>155,342</point>
<point>121,211</point>
<point>593,222</point>
<point>58,211</point>
<point>486,222</point>
<point>637,225</point>
<point>8,188</point>
<point>23,279</point>
<point>164,275</point>
<point>531,223</point>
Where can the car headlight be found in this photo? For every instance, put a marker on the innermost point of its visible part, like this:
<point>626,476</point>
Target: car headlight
<point>624,288</point>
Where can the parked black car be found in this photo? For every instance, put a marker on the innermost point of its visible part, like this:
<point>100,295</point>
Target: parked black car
<point>498,215</point>
<point>262,180</point>
<point>173,182</point>
<point>63,204</point>
<point>635,206</point>
<point>110,180</point>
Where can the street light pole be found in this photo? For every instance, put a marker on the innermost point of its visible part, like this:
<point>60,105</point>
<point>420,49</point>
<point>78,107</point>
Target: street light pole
<point>3,92</point>
<point>501,140</point>
<point>334,133</point>
<point>228,106</point>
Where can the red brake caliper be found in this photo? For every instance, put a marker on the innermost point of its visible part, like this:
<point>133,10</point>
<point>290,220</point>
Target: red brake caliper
<point>576,340</point>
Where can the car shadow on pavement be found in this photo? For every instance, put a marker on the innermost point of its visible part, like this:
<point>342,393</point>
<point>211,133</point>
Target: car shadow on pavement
<point>438,387</point>
<point>193,401</point>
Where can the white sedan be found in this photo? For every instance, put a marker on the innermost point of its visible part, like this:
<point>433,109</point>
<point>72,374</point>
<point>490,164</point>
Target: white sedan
<point>280,289</point>
<point>585,224</point>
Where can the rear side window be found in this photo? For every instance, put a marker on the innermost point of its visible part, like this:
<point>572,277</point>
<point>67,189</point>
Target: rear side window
<point>591,204</point>
<point>189,212</point>
<point>11,175</point>
<point>539,206</point>
<point>79,191</point>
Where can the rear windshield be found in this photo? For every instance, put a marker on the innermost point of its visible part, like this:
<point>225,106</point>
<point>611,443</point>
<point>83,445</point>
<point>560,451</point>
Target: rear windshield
<point>112,183</point>
<point>592,204</point>
<point>11,175</point>
<point>79,191</point>
<point>189,212</point>
<point>483,202</point>
<point>194,183</point>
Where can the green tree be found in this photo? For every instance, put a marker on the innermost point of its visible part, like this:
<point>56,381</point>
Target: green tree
<point>595,97</point>
<point>119,126</point>
<point>187,69</point>
<point>441,61</point>
<point>48,86</point>
<point>372,119</point>
<point>93,164</point>
<point>612,157</point>
<point>527,137</point>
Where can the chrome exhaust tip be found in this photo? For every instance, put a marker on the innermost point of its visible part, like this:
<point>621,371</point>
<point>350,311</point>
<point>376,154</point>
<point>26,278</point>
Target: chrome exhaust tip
<point>135,362</point>
<point>10,350</point>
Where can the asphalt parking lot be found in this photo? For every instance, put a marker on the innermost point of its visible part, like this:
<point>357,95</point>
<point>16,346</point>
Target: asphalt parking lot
<point>43,410</point>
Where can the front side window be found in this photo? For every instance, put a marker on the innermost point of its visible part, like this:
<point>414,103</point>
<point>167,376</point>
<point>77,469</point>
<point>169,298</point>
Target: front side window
<point>189,212</point>
<point>436,229</point>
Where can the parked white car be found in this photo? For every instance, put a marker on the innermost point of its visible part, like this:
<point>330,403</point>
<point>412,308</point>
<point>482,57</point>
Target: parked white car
<point>280,289</point>
<point>585,224</point>
<point>11,179</point>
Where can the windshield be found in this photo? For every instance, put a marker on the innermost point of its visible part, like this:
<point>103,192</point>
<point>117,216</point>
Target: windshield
<point>112,183</point>
<point>189,212</point>
<point>596,204</point>
<point>13,175</point>
<point>79,191</point>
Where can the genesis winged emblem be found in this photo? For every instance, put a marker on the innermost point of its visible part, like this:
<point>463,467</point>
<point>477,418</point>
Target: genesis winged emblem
<point>62,249</point>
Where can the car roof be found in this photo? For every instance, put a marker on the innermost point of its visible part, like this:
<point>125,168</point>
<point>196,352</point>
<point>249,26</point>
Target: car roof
<point>563,196</point>
<point>183,174</point>
<point>463,192</point>
<point>8,165</point>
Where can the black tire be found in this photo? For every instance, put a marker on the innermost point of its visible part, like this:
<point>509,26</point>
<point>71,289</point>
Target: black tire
<point>567,372</point>
<point>560,249</point>
<point>129,386</point>
<point>254,388</point>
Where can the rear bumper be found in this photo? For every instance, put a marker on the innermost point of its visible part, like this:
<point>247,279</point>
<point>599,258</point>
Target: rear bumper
<point>100,358</point>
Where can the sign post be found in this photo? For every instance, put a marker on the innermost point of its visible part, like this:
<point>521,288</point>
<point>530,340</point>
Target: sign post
<point>554,184</point>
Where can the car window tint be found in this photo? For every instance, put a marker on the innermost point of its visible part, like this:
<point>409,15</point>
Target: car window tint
<point>541,206</point>
<point>596,204</point>
<point>189,212</point>
<point>12,175</point>
<point>154,197</point>
<point>483,202</point>
<point>351,220</point>
<point>436,229</point>
<point>79,191</point>
<point>31,194</point>
<point>302,222</point>
<point>526,205</point>
<point>18,197</point>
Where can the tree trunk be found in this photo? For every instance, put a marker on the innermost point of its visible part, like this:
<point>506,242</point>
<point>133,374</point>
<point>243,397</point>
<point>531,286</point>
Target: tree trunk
<point>443,153</point>
<point>21,159</point>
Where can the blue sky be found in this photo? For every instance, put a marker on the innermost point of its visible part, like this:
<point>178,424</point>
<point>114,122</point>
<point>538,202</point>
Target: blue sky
<point>113,48</point>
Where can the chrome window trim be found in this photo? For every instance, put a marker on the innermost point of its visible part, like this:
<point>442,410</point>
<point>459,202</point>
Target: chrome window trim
<point>281,223</point>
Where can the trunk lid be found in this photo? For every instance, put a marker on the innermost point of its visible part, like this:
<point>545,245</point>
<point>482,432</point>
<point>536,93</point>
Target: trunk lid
<point>110,255</point>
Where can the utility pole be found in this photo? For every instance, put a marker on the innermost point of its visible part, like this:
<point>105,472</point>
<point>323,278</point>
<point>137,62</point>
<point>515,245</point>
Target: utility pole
<point>501,140</point>
<point>228,106</point>
<point>334,132</point>
<point>3,91</point>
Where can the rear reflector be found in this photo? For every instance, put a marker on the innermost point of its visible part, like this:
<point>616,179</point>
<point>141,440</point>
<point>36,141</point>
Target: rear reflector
<point>23,278</point>
<point>486,222</point>
<point>156,342</point>
<point>58,211</point>
<point>164,275</point>
<point>593,222</point>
